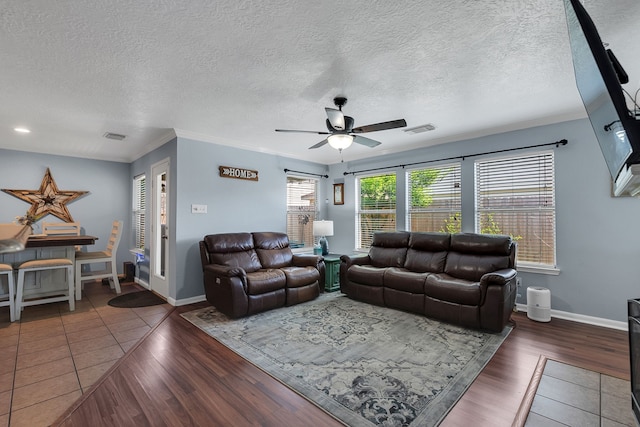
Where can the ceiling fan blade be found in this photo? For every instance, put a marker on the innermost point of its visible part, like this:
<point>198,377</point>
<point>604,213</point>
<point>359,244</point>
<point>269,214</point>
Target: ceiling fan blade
<point>365,141</point>
<point>336,118</point>
<point>381,126</point>
<point>303,131</point>
<point>319,144</point>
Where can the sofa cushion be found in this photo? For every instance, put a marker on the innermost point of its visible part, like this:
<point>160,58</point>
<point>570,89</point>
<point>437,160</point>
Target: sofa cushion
<point>273,249</point>
<point>389,249</point>
<point>481,244</point>
<point>300,276</point>
<point>473,267</point>
<point>405,280</point>
<point>366,275</point>
<point>446,288</point>
<point>263,281</point>
<point>473,255</point>
<point>233,250</point>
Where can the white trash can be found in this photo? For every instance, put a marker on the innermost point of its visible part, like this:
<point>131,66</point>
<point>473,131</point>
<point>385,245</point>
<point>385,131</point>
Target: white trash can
<point>539,304</point>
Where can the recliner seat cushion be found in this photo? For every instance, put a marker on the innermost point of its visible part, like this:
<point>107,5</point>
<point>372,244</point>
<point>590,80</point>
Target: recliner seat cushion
<point>233,250</point>
<point>300,276</point>
<point>273,249</point>
<point>427,252</point>
<point>473,267</point>
<point>366,275</point>
<point>474,255</point>
<point>263,281</point>
<point>404,280</point>
<point>389,249</point>
<point>454,290</point>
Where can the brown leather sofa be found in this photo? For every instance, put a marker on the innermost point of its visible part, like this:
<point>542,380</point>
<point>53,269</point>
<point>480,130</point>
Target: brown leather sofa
<point>467,279</point>
<point>246,273</point>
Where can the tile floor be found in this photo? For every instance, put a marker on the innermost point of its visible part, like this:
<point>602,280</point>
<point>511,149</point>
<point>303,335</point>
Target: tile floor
<point>51,356</point>
<point>572,396</point>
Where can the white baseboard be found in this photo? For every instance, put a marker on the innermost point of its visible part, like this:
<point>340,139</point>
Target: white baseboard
<point>173,301</point>
<point>186,301</point>
<point>581,318</point>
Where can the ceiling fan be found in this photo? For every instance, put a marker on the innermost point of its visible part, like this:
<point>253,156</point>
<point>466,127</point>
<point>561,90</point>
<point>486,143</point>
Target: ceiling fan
<point>341,132</point>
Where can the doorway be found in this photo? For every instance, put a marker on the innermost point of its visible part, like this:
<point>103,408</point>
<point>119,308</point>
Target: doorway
<point>159,250</point>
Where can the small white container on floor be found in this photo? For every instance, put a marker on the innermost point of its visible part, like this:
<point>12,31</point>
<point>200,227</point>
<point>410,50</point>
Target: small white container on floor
<point>539,304</point>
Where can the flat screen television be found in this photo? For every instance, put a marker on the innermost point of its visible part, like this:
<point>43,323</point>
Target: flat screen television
<point>599,78</point>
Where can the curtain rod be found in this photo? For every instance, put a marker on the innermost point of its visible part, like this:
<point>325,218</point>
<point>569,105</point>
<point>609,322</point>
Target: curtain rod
<point>557,144</point>
<point>307,173</point>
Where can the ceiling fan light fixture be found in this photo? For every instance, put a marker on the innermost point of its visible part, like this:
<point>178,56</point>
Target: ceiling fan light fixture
<point>340,141</point>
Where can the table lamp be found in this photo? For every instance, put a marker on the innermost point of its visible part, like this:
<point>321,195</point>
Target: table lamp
<point>323,229</point>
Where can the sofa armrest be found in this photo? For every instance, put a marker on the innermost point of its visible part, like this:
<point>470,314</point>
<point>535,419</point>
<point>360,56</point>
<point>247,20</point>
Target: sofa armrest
<point>349,260</point>
<point>498,277</point>
<point>226,271</point>
<point>204,256</point>
<point>307,260</point>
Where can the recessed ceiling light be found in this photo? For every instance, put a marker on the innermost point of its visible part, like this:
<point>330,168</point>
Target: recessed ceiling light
<point>22,130</point>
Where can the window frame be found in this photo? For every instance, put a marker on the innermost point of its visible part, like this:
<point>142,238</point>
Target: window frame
<point>546,202</point>
<point>139,209</point>
<point>455,192</point>
<point>307,226</point>
<point>359,211</point>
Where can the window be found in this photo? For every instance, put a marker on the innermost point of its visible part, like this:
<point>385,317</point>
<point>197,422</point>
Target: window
<point>515,196</point>
<point>301,210</point>
<point>139,206</point>
<point>376,210</point>
<point>434,199</point>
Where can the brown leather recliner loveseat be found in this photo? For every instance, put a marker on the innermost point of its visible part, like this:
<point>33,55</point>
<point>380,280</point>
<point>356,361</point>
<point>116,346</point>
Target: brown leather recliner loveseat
<point>246,273</point>
<point>464,278</point>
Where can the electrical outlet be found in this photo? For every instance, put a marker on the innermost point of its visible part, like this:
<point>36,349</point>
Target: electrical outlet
<point>518,282</point>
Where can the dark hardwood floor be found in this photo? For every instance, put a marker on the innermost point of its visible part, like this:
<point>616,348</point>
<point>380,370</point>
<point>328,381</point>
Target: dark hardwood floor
<point>179,376</point>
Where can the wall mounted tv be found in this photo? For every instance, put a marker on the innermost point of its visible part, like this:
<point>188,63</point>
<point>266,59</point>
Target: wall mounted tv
<point>599,78</point>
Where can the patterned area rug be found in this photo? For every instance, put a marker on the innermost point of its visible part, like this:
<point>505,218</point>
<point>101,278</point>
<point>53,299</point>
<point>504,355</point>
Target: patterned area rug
<point>366,365</point>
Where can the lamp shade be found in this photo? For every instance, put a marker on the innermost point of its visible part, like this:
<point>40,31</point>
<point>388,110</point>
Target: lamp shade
<point>323,228</point>
<point>340,141</point>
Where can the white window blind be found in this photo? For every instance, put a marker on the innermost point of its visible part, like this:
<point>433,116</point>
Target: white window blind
<point>516,196</point>
<point>434,199</point>
<point>301,210</point>
<point>376,207</point>
<point>139,207</point>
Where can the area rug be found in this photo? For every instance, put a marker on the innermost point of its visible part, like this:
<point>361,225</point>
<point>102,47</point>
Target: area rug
<point>136,299</point>
<point>364,364</point>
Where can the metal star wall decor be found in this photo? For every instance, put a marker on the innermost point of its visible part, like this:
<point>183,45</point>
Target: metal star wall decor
<point>48,199</point>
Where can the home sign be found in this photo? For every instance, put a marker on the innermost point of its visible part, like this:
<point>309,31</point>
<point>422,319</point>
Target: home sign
<point>238,173</point>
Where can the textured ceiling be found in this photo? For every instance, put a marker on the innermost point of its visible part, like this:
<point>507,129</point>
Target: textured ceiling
<point>231,72</point>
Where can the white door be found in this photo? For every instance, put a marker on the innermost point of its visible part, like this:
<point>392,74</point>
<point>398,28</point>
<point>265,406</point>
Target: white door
<point>159,251</point>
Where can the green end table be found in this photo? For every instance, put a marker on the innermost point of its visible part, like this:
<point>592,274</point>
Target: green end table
<point>332,272</point>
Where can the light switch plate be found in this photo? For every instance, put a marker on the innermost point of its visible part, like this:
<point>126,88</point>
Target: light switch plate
<point>199,209</point>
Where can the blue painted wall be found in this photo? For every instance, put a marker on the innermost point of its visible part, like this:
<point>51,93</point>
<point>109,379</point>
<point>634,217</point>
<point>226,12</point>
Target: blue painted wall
<point>108,184</point>
<point>233,205</point>
<point>598,236</point>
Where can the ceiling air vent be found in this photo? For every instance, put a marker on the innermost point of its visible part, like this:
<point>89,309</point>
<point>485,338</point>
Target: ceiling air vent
<point>420,129</point>
<point>116,136</point>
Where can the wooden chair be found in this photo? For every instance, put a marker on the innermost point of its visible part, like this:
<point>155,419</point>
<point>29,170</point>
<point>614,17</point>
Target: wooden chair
<point>61,228</point>
<point>38,265</point>
<point>7,270</point>
<point>106,257</point>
